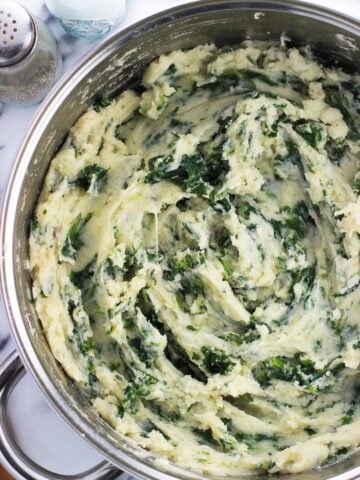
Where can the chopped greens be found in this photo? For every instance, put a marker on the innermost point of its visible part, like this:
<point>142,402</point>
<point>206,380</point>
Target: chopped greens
<point>73,241</point>
<point>312,132</point>
<point>293,369</point>
<point>194,174</point>
<point>216,361</point>
<point>102,102</point>
<point>91,178</point>
<point>339,97</point>
<point>139,388</point>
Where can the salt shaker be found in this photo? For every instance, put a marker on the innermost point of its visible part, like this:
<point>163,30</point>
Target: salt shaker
<point>30,60</point>
<point>88,19</point>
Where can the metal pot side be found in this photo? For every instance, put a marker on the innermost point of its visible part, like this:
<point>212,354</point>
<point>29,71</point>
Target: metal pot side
<point>114,65</point>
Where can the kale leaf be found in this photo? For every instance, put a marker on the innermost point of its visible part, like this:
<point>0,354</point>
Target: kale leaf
<point>298,218</point>
<point>216,361</point>
<point>312,132</point>
<point>85,345</point>
<point>253,439</point>
<point>93,177</point>
<point>250,335</point>
<point>177,266</point>
<point>102,101</point>
<point>335,150</point>
<point>145,354</point>
<point>293,369</point>
<point>73,241</point>
<point>150,426</point>
<point>256,75</point>
<point>292,156</point>
<point>82,278</point>
<point>356,184</point>
<point>140,387</point>
<point>339,98</point>
<point>194,174</point>
<point>206,438</point>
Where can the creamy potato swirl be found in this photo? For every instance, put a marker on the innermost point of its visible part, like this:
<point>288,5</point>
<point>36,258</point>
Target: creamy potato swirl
<point>195,259</point>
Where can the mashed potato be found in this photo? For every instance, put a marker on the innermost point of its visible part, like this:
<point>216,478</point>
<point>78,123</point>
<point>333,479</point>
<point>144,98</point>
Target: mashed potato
<point>195,259</point>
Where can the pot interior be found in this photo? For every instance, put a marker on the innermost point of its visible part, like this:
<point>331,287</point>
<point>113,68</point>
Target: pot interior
<point>114,66</point>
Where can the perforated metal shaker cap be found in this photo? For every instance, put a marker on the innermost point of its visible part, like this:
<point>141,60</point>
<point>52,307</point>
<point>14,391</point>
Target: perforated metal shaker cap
<point>17,32</point>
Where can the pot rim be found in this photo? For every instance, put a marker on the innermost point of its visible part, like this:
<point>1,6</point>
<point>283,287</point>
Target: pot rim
<point>11,197</point>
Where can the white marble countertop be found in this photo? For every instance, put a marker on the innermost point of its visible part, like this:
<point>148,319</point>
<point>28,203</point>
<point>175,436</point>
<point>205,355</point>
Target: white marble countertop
<point>53,444</point>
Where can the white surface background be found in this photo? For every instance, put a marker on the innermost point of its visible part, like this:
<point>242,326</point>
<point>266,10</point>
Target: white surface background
<point>41,433</point>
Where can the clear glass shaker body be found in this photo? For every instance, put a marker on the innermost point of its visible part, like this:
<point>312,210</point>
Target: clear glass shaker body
<point>29,80</point>
<point>88,19</point>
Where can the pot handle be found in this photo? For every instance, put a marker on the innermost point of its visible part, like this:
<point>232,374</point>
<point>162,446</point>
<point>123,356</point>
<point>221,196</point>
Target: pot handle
<point>17,462</point>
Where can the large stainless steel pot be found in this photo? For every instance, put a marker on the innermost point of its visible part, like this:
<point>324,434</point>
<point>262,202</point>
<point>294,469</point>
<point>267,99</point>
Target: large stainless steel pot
<point>112,66</point>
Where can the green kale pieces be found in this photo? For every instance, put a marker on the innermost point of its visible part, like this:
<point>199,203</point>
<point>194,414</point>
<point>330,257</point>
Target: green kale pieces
<point>194,174</point>
<point>91,177</point>
<point>289,369</point>
<point>102,101</point>
<point>74,241</point>
<point>216,361</point>
<point>139,388</point>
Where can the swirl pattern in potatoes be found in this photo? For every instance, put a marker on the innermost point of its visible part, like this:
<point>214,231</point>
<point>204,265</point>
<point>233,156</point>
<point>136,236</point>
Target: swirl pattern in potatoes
<point>195,259</point>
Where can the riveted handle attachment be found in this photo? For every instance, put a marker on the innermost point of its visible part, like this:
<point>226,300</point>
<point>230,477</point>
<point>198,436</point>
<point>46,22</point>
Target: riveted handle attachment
<point>12,457</point>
